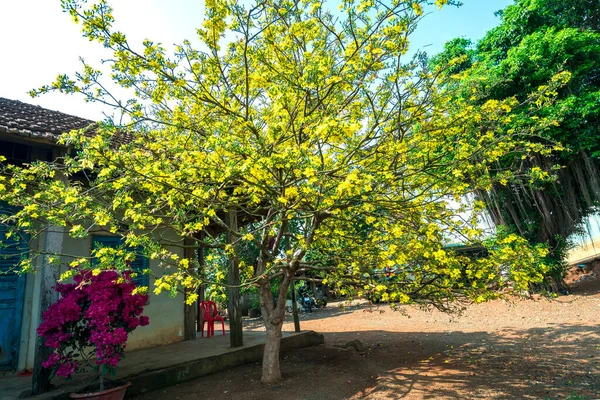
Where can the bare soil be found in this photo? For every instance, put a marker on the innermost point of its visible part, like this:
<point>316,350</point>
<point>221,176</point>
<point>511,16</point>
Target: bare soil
<point>519,349</point>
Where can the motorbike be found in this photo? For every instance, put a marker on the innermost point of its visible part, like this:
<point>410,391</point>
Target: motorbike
<point>306,301</point>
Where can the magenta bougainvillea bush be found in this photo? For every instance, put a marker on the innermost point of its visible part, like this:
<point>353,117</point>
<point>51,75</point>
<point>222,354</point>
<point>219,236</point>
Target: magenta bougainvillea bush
<point>91,320</point>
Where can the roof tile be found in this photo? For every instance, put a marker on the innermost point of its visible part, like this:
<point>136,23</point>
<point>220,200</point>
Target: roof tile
<point>36,122</point>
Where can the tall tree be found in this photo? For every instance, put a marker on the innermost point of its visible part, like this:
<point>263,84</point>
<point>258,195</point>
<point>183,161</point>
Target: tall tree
<point>536,40</point>
<point>311,127</point>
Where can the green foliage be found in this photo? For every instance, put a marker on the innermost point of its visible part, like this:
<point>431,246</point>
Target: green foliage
<point>459,52</point>
<point>255,305</point>
<point>537,42</point>
<point>336,158</point>
<point>525,17</point>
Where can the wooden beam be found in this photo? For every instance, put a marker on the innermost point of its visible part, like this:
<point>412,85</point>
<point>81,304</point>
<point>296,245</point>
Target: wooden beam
<point>295,306</point>
<point>234,304</point>
<point>189,311</point>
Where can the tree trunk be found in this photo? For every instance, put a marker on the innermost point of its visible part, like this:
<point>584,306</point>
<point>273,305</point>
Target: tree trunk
<point>273,318</point>
<point>271,372</point>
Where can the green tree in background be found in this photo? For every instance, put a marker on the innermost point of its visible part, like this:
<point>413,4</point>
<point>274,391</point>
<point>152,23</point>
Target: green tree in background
<point>536,40</point>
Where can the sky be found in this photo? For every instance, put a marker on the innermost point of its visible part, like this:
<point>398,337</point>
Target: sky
<point>38,41</point>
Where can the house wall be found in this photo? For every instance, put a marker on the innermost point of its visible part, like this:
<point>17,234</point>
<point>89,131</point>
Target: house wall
<point>587,245</point>
<point>166,314</point>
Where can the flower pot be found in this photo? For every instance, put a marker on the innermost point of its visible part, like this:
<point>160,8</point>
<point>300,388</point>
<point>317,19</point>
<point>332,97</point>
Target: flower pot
<point>253,313</point>
<point>114,391</point>
<point>245,300</point>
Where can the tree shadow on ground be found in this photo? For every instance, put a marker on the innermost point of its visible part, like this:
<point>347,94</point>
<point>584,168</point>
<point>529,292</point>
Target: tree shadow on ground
<point>536,363</point>
<point>585,288</point>
<point>541,363</point>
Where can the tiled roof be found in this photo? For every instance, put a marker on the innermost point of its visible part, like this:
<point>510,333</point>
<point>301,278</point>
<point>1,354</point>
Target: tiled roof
<point>36,122</point>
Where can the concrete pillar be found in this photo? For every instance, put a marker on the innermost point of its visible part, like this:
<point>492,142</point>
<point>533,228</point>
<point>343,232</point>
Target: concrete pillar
<point>49,274</point>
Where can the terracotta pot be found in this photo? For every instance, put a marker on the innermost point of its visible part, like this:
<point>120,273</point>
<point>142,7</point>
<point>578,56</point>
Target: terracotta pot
<point>115,393</point>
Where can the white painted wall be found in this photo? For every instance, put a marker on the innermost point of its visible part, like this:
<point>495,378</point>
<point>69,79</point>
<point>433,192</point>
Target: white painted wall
<point>587,245</point>
<point>166,314</point>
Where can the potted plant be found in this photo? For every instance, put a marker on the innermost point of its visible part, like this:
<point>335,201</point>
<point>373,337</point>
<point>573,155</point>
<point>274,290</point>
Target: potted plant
<point>88,327</point>
<point>254,310</point>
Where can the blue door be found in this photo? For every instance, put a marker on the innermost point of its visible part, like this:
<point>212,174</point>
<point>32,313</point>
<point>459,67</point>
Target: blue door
<point>12,290</point>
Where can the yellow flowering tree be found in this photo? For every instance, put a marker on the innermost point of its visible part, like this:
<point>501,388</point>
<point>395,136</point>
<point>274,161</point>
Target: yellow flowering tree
<point>335,153</point>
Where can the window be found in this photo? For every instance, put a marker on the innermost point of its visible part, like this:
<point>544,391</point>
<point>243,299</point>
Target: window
<point>138,265</point>
<point>15,153</point>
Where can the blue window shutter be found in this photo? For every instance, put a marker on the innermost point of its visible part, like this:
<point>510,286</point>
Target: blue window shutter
<point>138,265</point>
<point>12,291</point>
<point>14,248</point>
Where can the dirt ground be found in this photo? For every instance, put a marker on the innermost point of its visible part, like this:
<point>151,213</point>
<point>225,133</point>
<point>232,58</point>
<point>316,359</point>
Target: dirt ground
<point>520,349</point>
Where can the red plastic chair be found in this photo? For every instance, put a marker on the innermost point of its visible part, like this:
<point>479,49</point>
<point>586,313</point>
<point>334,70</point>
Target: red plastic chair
<point>208,310</point>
